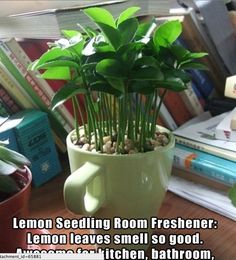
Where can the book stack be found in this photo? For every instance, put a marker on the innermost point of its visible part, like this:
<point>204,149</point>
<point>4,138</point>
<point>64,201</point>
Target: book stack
<point>21,89</point>
<point>202,158</point>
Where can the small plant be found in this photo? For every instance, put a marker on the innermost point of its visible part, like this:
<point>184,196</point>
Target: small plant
<point>119,69</point>
<point>10,162</point>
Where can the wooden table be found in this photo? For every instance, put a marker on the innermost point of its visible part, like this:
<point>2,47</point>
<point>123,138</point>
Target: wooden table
<point>47,202</point>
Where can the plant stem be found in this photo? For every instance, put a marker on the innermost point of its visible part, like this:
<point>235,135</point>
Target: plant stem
<point>75,111</point>
<point>136,115</point>
<point>115,114</point>
<point>95,125</point>
<point>101,113</point>
<point>159,104</point>
<point>81,115</point>
<point>149,121</point>
<point>108,115</point>
<point>154,119</point>
<point>130,118</point>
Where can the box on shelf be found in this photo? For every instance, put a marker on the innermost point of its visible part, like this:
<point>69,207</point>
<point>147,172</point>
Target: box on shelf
<point>35,141</point>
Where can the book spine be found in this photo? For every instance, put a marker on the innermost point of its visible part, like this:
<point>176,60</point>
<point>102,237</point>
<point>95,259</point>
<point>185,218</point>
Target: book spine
<point>177,107</point>
<point>203,83</point>
<point>160,122</point>
<point>35,93</point>
<point>167,117</point>
<point>8,101</point>
<point>222,153</point>
<point>25,61</point>
<point>34,85</point>
<point>192,176</point>
<point>200,78</point>
<point>22,98</point>
<point>191,101</point>
<point>203,164</point>
<point>14,89</point>
<point>198,94</point>
<point>193,36</point>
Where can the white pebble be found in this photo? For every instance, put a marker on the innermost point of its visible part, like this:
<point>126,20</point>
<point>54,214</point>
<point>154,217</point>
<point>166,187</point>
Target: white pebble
<point>86,147</point>
<point>106,139</point>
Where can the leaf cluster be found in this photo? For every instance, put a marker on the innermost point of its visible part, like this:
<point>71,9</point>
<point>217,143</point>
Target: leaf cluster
<point>10,162</point>
<point>121,58</point>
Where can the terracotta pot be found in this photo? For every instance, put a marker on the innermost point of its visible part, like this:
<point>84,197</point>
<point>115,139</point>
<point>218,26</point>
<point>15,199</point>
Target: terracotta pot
<point>15,206</point>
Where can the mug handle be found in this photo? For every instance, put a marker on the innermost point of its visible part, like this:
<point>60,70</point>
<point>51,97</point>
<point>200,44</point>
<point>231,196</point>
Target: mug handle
<point>84,191</point>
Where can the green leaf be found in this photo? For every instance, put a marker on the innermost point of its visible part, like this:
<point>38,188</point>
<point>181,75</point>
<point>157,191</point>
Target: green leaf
<point>197,55</point>
<point>12,158</point>
<point>7,168</point>
<point>8,185</point>
<point>145,29</point>
<point>184,76</point>
<point>112,35</point>
<point>66,92</point>
<point>111,68</point>
<point>147,73</point>
<point>194,65</point>
<point>100,15</point>
<point>102,86</point>
<point>76,45</point>
<point>70,33</point>
<point>58,63</point>
<point>179,52</point>
<point>51,54</point>
<point>142,87</point>
<point>117,84</point>
<point>167,33</point>
<point>103,47</point>
<point>174,84</point>
<point>128,29</point>
<point>89,31</point>
<point>147,61</point>
<point>129,12</point>
<point>59,73</point>
<point>132,48</point>
<point>232,195</point>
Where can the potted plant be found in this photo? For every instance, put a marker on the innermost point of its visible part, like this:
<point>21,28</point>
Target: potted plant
<point>15,181</point>
<point>120,159</point>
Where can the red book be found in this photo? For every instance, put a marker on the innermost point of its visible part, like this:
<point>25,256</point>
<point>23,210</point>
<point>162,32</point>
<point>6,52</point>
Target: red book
<point>177,107</point>
<point>8,101</point>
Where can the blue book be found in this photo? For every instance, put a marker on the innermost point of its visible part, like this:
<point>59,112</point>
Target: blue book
<point>201,79</point>
<point>35,141</point>
<point>205,164</point>
<point>203,83</point>
<point>201,99</point>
